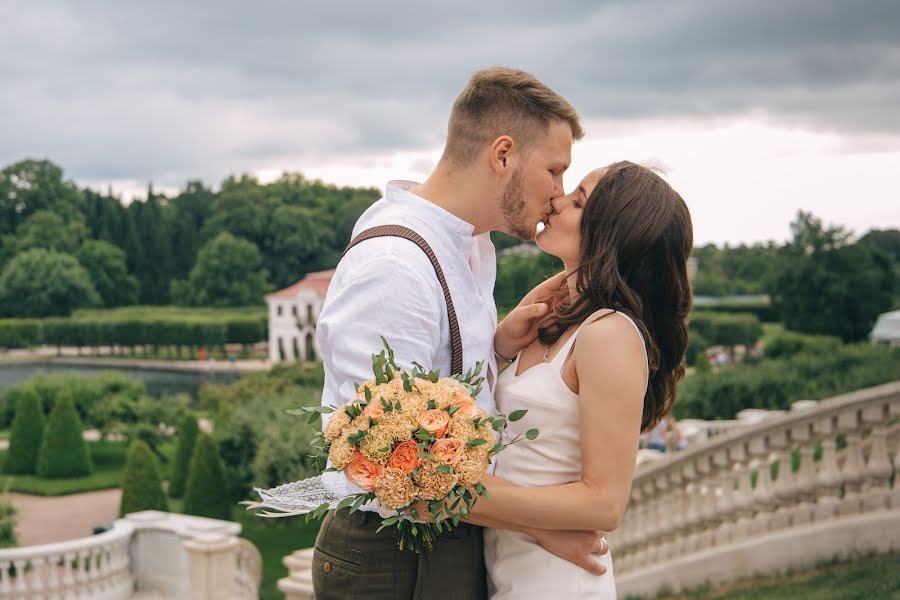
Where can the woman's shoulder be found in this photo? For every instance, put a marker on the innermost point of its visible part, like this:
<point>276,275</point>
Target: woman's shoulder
<point>612,335</point>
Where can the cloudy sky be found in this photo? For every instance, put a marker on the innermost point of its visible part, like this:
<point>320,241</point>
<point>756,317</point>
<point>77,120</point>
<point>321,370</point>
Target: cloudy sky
<point>753,109</point>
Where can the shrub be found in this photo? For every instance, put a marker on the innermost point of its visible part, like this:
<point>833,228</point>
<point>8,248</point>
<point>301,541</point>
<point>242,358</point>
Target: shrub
<point>141,485</point>
<point>187,436</point>
<point>63,451</point>
<point>789,343</point>
<point>27,434</point>
<point>7,522</point>
<point>206,494</point>
<point>776,383</point>
<point>727,329</point>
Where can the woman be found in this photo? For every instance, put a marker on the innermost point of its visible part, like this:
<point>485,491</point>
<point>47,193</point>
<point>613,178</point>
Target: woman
<point>605,370</point>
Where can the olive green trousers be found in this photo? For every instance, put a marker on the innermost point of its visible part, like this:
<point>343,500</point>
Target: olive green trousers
<point>352,561</point>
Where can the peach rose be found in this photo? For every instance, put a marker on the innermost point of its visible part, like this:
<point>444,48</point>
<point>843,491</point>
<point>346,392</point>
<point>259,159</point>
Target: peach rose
<point>404,456</point>
<point>436,422</point>
<point>448,450</point>
<point>362,472</point>
<point>374,409</point>
<point>466,404</point>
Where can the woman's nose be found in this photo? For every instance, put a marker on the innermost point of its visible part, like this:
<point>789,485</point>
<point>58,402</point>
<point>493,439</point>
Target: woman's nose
<point>557,203</point>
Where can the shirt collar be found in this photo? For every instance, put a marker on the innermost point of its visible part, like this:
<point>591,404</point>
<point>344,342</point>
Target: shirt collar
<point>397,192</point>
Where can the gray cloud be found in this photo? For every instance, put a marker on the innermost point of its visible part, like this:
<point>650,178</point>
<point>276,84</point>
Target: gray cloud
<point>172,91</point>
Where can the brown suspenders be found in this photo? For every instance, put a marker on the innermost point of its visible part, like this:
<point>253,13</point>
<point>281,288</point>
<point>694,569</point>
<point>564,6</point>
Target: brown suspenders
<point>406,233</point>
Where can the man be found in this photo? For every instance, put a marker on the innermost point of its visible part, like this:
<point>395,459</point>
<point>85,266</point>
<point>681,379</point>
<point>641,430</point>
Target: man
<point>509,141</point>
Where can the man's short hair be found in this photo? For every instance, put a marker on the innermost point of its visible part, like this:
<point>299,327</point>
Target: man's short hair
<point>503,101</point>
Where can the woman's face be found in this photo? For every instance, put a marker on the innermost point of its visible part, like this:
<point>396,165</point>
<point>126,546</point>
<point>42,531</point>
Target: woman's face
<point>561,235</point>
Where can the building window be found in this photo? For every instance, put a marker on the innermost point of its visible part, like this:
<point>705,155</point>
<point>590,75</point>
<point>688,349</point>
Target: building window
<point>294,309</point>
<point>278,310</point>
<point>309,317</point>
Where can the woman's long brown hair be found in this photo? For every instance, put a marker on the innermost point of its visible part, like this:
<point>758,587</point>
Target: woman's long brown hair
<point>636,237</point>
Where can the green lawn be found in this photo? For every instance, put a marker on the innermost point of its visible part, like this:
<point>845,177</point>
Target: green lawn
<point>874,577</point>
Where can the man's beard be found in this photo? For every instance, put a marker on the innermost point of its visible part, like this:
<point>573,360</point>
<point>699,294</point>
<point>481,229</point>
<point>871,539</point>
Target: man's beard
<point>512,205</point>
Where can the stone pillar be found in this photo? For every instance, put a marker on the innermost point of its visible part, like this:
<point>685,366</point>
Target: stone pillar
<point>828,477</point>
<point>298,584</point>
<point>212,566</point>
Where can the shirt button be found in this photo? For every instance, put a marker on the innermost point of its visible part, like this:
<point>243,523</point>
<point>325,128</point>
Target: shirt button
<point>327,567</point>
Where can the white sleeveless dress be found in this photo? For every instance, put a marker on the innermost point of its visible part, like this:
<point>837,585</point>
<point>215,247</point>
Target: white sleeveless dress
<point>518,567</point>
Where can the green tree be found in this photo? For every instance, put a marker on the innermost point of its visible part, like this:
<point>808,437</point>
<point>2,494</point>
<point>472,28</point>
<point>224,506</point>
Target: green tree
<point>141,485</point>
<point>206,494</point>
<point>32,185</point>
<point>27,434</point>
<point>825,286</point>
<point>228,272</point>
<point>299,243</point>
<point>187,438</point>
<point>63,451</point>
<point>40,283</point>
<point>107,268</point>
<point>45,229</point>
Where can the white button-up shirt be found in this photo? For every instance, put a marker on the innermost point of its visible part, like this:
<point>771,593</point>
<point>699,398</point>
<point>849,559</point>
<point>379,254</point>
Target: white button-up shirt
<point>387,287</point>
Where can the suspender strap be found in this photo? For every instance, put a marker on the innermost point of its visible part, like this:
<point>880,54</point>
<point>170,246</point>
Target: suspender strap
<point>409,234</point>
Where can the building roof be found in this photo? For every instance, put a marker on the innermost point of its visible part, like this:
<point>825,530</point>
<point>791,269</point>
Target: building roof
<point>887,327</point>
<point>318,282</point>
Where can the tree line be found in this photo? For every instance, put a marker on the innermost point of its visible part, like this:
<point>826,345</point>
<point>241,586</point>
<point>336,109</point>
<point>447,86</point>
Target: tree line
<point>63,248</point>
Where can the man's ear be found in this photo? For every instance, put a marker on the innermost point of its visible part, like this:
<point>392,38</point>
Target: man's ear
<point>503,154</point>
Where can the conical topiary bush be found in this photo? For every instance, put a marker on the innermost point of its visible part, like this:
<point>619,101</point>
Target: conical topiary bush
<point>142,484</point>
<point>205,494</point>
<point>187,438</point>
<point>27,434</point>
<point>63,450</point>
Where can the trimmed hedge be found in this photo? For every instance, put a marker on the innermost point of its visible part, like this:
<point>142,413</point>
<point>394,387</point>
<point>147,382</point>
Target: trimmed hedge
<point>187,438</point>
<point>142,484</point>
<point>63,451</point>
<point>764,311</point>
<point>790,343</point>
<point>19,333</point>
<point>27,434</point>
<point>726,329</point>
<point>206,494</point>
<point>150,331</point>
<point>776,383</point>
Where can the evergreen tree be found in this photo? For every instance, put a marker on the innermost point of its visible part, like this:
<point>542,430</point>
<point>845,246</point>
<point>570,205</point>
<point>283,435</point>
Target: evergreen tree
<point>27,434</point>
<point>187,438</point>
<point>206,494</point>
<point>142,485</point>
<point>63,451</point>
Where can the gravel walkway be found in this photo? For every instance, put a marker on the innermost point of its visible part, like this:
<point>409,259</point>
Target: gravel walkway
<point>48,519</point>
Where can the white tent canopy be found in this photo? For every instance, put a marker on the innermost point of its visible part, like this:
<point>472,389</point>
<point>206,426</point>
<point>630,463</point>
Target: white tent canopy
<point>887,329</point>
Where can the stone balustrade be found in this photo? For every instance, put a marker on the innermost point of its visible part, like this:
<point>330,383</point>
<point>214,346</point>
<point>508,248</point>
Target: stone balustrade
<point>94,567</point>
<point>766,497</point>
<point>148,554</point>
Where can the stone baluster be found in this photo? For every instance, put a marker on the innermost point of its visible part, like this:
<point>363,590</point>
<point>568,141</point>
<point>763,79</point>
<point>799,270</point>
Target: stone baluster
<point>876,494</point>
<point>35,578</point>
<point>19,574</point>
<point>704,537</point>
<point>895,493</point>
<point>724,490</point>
<point>635,544</point>
<point>676,516</point>
<point>828,475</point>
<point>725,504</point>
<point>743,494</point>
<point>4,579</point>
<point>661,507</point>
<point>692,506</point>
<point>804,484</point>
<point>650,523</point>
<point>53,591</point>
<point>854,470</point>
<point>763,493</point>
<point>68,578</point>
<point>783,487</point>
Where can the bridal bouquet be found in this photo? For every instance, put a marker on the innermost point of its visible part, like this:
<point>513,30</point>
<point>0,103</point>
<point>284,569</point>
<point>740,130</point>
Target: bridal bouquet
<point>406,438</point>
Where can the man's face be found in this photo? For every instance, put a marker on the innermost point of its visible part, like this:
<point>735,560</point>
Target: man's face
<point>526,198</point>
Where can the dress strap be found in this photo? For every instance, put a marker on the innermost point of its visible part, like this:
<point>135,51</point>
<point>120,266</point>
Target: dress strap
<point>562,356</point>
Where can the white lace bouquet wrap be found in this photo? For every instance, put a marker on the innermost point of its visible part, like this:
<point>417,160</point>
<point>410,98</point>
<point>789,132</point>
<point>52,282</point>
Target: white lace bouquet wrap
<point>408,440</point>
